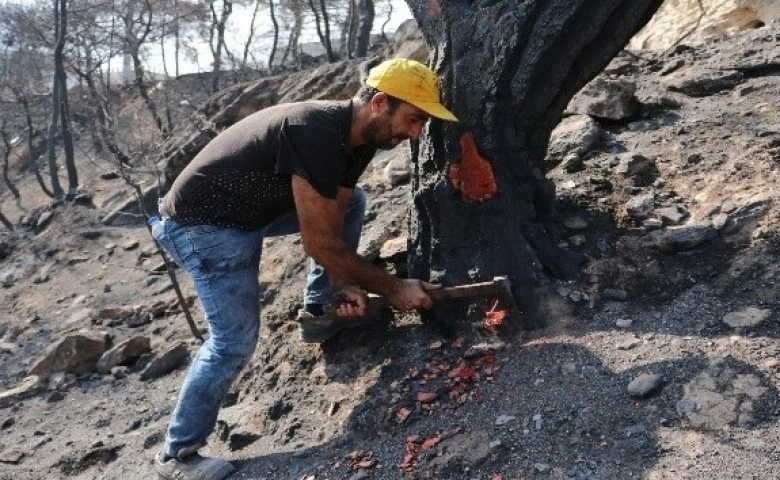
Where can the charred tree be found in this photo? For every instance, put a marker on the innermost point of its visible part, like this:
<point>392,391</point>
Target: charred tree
<point>365,9</point>
<point>482,204</point>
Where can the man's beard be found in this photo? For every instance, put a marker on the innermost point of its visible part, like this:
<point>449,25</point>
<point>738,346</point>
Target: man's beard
<point>378,134</point>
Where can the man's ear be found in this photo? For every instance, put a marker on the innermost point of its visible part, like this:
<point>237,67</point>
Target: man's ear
<point>378,103</point>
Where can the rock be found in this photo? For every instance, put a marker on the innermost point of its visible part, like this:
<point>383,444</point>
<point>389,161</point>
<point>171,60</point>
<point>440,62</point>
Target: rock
<point>11,455</point>
<point>80,317</point>
<point>624,323</point>
<point>398,170</point>
<point>641,206</point>
<point>687,20</point>
<point>720,396</point>
<point>615,294</point>
<point>130,245</point>
<point>75,353</point>
<point>720,221</point>
<point>394,248</point>
<point>606,99</point>
<point>671,215</point>
<point>169,361</point>
<point>7,423</point>
<point>123,354</point>
<point>748,317</point>
<point>542,467</point>
<point>651,224</point>
<point>8,278</point>
<point>504,419</point>
<point>577,240</point>
<point>684,237</point>
<point>577,134</point>
<point>645,384</point>
<point>43,220</point>
<point>697,83</point>
<point>633,164</point>
<point>29,386</point>
<point>575,223</point>
<point>568,368</point>
<point>43,274</point>
<point>572,163</point>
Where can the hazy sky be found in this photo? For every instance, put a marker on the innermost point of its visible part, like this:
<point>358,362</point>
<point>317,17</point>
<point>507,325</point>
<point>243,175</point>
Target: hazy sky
<point>240,20</point>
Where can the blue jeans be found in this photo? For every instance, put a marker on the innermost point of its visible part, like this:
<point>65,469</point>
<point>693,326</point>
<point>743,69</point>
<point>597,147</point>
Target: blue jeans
<point>225,264</point>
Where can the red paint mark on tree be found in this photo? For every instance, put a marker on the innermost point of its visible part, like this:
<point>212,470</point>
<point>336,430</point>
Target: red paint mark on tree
<point>473,174</point>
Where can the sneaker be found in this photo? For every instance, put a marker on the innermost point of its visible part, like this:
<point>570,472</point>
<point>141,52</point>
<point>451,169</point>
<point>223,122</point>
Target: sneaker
<point>319,328</point>
<point>193,467</point>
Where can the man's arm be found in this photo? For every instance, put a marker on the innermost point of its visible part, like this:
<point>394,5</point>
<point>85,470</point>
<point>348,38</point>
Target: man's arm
<point>322,231</point>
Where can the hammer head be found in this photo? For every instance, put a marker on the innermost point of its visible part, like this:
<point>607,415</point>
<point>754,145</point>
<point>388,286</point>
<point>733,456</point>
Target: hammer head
<point>503,292</point>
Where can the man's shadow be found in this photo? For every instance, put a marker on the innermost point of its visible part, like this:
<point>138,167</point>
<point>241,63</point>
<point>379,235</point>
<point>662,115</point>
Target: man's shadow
<point>545,407</point>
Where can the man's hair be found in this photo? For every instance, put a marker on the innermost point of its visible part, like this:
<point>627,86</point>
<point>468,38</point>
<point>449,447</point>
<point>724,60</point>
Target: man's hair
<point>366,93</point>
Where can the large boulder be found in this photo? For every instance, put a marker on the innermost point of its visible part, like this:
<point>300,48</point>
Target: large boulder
<point>694,21</point>
<point>75,353</point>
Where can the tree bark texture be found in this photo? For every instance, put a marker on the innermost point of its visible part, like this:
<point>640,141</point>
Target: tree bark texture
<point>51,137</point>
<point>365,24</point>
<point>67,136</point>
<point>482,205</point>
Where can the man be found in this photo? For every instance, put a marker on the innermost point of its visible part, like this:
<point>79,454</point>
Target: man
<point>288,168</point>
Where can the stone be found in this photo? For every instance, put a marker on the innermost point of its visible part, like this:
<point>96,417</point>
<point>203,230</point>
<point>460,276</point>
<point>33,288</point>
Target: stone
<point>605,99</point>
<point>169,361</point>
<point>615,294</point>
<point>124,353</point>
<point>504,419</point>
<point>748,317</point>
<point>645,384</point>
<point>671,215</point>
<point>624,323</point>
<point>631,164</point>
<point>44,273</point>
<point>641,207</point>
<point>575,223</point>
<point>74,353</point>
<point>576,134</point>
<point>398,170</point>
<point>686,20</point>
<point>131,244</point>
<point>684,237</point>
<point>29,386</point>
<point>720,397</point>
<point>696,83</point>
<point>572,163</point>
<point>8,278</point>
<point>394,248</point>
<point>651,224</point>
<point>11,455</point>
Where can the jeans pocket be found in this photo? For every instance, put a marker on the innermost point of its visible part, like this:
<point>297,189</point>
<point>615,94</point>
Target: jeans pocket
<point>219,251</point>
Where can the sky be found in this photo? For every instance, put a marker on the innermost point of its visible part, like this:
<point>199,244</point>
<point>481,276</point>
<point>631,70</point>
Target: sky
<point>241,19</point>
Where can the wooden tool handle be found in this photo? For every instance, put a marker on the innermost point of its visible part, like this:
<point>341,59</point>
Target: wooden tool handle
<point>463,291</point>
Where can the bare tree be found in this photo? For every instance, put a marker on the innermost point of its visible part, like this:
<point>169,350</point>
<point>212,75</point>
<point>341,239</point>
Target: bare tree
<point>60,21</point>
<point>217,38</point>
<point>483,206</point>
<point>365,9</point>
<point>322,24</point>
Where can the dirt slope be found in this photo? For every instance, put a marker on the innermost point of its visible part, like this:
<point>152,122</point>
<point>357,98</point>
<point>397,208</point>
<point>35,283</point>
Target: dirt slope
<point>661,361</point>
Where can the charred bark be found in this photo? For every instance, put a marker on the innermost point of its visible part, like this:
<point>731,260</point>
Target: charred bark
<point>484,208</point>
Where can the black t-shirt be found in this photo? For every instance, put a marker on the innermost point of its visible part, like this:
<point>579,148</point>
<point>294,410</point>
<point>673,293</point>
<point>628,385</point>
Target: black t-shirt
<point>242,178</point>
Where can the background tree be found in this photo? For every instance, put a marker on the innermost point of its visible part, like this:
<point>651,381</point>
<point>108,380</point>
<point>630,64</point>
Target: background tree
<point>483,206</point>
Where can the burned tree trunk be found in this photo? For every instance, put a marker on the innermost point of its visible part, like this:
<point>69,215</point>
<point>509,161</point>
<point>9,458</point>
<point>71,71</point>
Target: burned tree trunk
<point>483,206</point>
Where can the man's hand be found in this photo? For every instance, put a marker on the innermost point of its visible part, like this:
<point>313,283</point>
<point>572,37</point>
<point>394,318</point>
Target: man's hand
<point>411,294</point>
<point>350,301</point>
